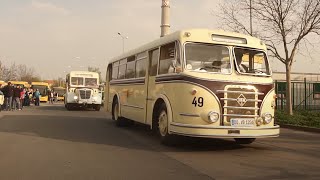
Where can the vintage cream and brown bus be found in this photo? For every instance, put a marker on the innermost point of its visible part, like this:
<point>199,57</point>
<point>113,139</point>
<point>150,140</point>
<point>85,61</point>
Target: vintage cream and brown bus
<point>199,83</point>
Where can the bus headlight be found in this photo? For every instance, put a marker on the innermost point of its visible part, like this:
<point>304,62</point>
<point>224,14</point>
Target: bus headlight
<point>267,118</point>
<point>213,116</point>
<point>75,97</point>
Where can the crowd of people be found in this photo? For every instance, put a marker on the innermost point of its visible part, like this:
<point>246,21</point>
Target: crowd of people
<point>16,97</point>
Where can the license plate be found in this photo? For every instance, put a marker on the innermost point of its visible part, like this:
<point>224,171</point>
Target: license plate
<point>242,122</point>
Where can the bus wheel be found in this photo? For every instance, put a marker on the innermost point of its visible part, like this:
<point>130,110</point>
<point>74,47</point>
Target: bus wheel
<point>67,107</point>
<point>244,140</point>
<point>120,121</point>
<point>162,121</point>
<point>97,107</point>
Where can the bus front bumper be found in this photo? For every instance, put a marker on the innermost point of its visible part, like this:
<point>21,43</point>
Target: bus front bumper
<point>223,131</point>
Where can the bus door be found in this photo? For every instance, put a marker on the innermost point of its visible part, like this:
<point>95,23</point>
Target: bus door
<point>106,89</point>
<point>151,83</point>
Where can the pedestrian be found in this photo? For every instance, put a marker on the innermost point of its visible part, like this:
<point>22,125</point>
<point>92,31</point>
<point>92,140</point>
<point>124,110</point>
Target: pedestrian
<point>22,96</point>
<point>27,98</point>
<point>51,97</point>
<point>16,98</point>
<point>8,95</point>
<point>56,95</point>
<point>37,98</point>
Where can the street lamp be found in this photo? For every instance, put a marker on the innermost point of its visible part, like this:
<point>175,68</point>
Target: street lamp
<point>123,38</point>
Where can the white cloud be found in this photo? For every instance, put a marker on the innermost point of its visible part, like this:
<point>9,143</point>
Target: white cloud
<point>48,7</point>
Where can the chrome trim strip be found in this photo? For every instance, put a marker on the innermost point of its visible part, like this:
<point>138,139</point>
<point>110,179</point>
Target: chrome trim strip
<point>128,81</point>
<point>235,107</point>
<point>232,81</point>
<point>189,115</point>
<point>221,127</point>
<point>240,115</point>
<point>224,91</point>
<point>132,106</point>
<point>224,136</point>
<point>248,100</point>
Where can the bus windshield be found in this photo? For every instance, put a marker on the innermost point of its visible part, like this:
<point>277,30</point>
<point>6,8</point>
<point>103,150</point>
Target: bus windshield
<point>42,89</point>
<point>207,58</point>
<point>77,81</point>
<point>249,61</point>
<point>91,82</point>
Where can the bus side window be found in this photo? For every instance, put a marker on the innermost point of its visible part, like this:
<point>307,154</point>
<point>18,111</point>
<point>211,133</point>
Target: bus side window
<point>154,56</point>
<point>115,70</point>
<point>122,69</point>
<point>167,61</point>
<point>141,65</point>
<point>130,73</point>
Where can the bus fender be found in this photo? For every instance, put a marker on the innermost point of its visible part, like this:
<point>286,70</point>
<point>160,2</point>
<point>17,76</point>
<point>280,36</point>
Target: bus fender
<point>118,99</point>
<point>168,105</point>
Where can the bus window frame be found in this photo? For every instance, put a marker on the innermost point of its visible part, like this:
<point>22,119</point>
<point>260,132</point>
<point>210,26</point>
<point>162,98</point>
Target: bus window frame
<point>177,57</point>
<point>149,61</point>
<point>143,58</point>
<point>213,44</point>
<point>254,49</point>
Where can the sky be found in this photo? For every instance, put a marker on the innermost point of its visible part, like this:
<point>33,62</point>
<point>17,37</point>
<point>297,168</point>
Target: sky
<point>57,36</point>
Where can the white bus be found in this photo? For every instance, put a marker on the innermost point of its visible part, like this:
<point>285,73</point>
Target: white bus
<point>82,90</point>
<point>201,83</point>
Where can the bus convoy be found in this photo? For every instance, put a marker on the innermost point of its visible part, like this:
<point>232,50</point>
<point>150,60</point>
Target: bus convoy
<point>82,90</point>
<point>198,83</point>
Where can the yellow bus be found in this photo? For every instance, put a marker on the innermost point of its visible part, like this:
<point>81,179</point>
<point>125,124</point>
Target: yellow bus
<point>2,84</point>
<point>61,92</point>
<point>22,84</point>
<point>199,83</point>
<point>43,89</point>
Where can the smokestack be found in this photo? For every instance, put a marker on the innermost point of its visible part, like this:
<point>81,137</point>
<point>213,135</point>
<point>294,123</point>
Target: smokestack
<point>165,17</point>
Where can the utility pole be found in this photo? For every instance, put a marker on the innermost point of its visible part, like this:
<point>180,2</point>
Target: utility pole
<point>251,17</point>
<point>165,17</point>
<point>123,38</point>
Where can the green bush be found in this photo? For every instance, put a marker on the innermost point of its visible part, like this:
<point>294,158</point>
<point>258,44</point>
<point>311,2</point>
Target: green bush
<point>300,118</point>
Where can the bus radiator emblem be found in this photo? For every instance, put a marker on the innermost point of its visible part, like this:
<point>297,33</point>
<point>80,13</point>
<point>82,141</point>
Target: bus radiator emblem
<point>241,100</point>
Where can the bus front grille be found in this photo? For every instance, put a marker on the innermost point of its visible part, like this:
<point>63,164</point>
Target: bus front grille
<point>240,102</point>
<point>85,93</point>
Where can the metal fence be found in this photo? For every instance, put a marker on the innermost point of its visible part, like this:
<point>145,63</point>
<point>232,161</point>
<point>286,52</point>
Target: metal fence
<point>305,95</point>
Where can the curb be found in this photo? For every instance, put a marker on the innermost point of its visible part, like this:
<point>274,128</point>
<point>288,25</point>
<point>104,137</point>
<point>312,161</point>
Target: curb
<point>301,128</point>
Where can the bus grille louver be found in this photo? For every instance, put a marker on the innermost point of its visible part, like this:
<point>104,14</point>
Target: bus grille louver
<point>85,93</point>
<point>240,102</point>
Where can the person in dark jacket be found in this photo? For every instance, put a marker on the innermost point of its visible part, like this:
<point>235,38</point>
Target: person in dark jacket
<point>16,98</point>
<point>8,94</point>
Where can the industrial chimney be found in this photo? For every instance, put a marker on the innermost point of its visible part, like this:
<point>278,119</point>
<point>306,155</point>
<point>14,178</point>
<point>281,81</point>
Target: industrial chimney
<point>165,17</point>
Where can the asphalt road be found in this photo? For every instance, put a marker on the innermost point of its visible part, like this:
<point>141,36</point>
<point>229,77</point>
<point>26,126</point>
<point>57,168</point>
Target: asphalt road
<point>48,142</point>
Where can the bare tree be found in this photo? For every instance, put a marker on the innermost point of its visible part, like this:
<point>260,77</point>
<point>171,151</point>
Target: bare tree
<point>97,70</point>
<point>282,24</point>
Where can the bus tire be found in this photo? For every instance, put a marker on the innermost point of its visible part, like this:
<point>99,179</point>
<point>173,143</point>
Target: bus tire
<point>162,126</point>
<point>244,140</point>
<point>68,107</point>
<point>97,107</point>
<point>120,121</point>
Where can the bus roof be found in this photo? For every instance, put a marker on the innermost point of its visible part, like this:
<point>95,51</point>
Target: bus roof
<point>18,82</point>
<point>199,35</point>
<point>40,83</point>
<point>58,87</point>
<point>83,74</point>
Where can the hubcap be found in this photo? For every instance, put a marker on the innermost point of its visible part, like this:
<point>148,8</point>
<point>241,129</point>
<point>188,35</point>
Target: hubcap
<point>163,123</point>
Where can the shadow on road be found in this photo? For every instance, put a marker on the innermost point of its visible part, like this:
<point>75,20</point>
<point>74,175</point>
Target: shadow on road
<point>102,131</point>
